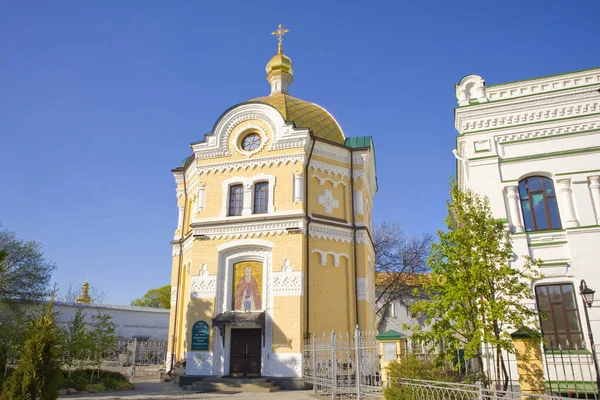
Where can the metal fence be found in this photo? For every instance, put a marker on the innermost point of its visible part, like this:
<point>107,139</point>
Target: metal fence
<point>137,360</point>
<point>343,365</point>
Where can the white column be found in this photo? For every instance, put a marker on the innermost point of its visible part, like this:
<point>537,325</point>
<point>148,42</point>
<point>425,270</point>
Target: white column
<point>512,194</point>
<point>566,199</point>
<point>595,189</point>
<point>180,218</point>
<point>200,203</point>
<point>359,208</point>
<point>298,187</point>
<point>247,210</point>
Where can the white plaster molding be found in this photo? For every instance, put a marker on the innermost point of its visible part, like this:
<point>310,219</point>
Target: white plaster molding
<point>203,285</point>
<point>248,199</point>
<point>254,163</point>
<point>328,202</point>
<point>287,282</point>
<point>298,187</point>
<point>259,217</point>
<point>331,233</point>
<point>178,175</point>
<point>199,363</point>
<point>168,360</point>
<point>249,229</point>
<point>285,365</point>
<point>176,249</point>
<point>332,152</point>
<point>512,195</point>
<point>595,191</point>
<point>567,208</point>
<point>471,87</point>
<point>216,144</point>
<point>541,85</point>
<point>180,218</point>
<point>327,179</point>
<point>509,118</point>
<point>245,242</point>
<point>201,196</point>
<point>173,295</point>
<point>361,288</point>
<point>245,129</point>
<point>558,128</point>
<point>336,257</point>
<point>359,208</point>
<point>329,168</point>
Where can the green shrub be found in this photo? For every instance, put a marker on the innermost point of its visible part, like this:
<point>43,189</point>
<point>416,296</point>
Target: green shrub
<point>412,367</point>
<point>4,374</point>
<point>102,381</point>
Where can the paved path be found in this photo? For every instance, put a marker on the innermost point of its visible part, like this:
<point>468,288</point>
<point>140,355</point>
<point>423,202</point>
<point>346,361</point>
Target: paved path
<point>168,391</point>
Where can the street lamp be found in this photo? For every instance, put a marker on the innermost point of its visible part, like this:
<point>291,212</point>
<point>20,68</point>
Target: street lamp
<point>588,298</point>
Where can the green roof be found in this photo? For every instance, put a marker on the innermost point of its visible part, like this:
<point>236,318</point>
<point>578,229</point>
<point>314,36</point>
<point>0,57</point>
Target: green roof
<point>359,141</point>
<point>185,160</point>
<point>390,335</point>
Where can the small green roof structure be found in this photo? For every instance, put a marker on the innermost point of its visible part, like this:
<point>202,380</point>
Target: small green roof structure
<point>390,335</point>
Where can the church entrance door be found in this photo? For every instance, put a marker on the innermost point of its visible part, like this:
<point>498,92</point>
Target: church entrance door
<point>245,352</point>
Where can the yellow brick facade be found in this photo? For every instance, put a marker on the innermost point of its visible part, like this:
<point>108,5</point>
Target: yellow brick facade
<point>313,242</point>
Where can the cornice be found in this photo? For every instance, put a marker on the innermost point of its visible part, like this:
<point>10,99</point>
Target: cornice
<point>333,152</point>
<point>524,116</point>
<point>330,169</point>
<point>550,129</point>
<point>542,85</point>
<point>337,234</point>
<point>249,229</point>
<point>251,163</point>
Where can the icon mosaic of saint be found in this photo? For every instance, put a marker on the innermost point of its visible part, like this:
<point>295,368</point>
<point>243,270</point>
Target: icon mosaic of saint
<point>247,294</point>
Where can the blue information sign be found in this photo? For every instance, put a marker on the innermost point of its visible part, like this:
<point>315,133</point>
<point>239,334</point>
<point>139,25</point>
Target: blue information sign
<point>200,334</point>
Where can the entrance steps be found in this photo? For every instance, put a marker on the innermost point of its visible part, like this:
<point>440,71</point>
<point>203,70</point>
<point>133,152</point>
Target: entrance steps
<point>232,385</point>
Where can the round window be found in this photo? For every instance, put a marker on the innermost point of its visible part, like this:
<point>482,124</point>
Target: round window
<point>251,142</point>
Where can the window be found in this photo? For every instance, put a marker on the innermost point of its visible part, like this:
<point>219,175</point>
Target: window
<point>538,202</point>
<point>559,316</point>
<point>236,199</point>
<point>251,142</point>
<point>261,197</point>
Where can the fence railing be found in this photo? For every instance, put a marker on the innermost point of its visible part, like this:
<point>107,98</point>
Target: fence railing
<point>343,365</point>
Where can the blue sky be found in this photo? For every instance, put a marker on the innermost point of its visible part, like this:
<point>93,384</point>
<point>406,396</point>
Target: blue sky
<point>99,100</point>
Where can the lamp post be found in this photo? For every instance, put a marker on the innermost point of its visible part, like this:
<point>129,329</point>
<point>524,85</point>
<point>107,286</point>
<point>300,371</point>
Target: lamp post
<point>588,298</point>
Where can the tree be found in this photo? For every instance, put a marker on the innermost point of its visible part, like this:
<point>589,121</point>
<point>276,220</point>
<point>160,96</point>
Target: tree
<point>24,272</point>
<point>71,292</point>
<point>38,375</point>
<point>475,295</point>
<point>77,341</point>
<point>24,280</point>
<point>400,260</point>
<point>102,338</point>
<point>157,298</point>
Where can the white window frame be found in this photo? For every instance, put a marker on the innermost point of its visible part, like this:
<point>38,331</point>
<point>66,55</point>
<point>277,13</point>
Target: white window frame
<point>248,205</point>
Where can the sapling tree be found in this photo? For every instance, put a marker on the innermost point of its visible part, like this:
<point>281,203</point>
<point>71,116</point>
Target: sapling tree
<point>477,295</point>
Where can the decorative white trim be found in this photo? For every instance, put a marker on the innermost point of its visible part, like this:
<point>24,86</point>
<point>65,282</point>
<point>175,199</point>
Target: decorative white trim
<point>359,208</point>
<point>245,130</point>
<point>176,249</point>
<point>558,128</point>
<point>332,152</point>
<point>361,288</point>
<point>199,363</point>
<point>227,258</point>
<point>336,257</point>
<point>173,295</point>
<point>523,116</point>
<point>201,196</point>
<point>471,87</point>
<point>249,229</point>
<point>285,365</point>
<point>252,163</point>
<point>298,187</point>
<point>168,360</point>
<point>203,285</point>
<point>334,183</point>
<point>328,202</point>
<point>541,85</point>
<point>245,242</point>
<point>331,233</point>
<point>329,168</point>
<point>248,183</point>
<point>178,175</point>
<point>287,282</point>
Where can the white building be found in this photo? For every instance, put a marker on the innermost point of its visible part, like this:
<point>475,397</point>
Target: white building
<point>131,322</point>
<point>533,148</point>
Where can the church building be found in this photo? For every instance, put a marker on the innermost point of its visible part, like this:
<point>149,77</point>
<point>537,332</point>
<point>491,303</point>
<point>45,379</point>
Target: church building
<point>273,240</point>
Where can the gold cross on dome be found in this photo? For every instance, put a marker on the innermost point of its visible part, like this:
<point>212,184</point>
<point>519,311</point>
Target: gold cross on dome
<point>279,33</point>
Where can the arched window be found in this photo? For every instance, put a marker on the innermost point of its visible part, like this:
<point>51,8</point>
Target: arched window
<point>538,202</point>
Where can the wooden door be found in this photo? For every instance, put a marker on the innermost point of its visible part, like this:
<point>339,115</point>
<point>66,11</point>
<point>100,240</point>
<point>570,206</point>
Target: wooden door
<point>245,352</point>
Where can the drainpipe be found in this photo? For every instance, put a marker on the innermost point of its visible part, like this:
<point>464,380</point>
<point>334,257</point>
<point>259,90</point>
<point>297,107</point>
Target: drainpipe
<point>354,237</point>
<point>181,240</point>
<point>308,220</point>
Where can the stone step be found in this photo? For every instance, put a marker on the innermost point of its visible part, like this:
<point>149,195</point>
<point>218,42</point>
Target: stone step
<point>232,387</point>
<point>239,381</point>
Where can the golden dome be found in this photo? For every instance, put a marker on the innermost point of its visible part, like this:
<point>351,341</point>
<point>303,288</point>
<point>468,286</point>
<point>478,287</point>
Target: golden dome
<point>280,62</point>
<point>305,114</point>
